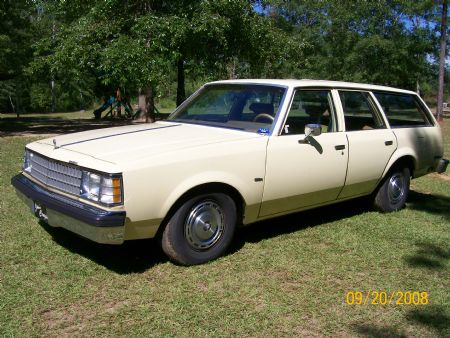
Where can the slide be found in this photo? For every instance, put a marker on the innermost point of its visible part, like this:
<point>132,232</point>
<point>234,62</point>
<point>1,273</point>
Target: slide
<point>108,104</point>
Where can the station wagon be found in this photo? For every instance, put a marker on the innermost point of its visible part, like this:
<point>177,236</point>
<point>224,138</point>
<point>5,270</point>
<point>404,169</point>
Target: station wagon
<point>236,152</point>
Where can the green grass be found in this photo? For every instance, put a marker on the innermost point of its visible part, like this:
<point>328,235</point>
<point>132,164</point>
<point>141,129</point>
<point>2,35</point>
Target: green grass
<point>166,108</point>
<point>283,277</point>
<point>61,122</point>
<point>81,114</point>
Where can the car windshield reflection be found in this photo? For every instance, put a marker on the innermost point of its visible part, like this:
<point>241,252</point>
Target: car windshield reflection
<point>238,106</point>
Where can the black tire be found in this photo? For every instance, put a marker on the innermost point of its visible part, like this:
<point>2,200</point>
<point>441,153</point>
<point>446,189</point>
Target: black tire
<point>393,191</point>
<point>200,230</point>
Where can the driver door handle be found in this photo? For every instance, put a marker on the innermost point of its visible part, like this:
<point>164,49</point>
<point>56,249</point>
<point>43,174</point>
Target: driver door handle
<point>340,147</point>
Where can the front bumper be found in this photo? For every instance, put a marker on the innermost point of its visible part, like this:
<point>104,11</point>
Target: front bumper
<point>98,225</point>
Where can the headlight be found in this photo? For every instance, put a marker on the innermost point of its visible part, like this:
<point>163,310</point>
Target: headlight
<point>101,188</point>
<point>26,166</point>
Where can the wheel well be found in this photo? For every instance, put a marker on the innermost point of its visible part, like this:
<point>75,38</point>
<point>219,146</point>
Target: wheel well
<point>202,189</point>
<point>404,162</point>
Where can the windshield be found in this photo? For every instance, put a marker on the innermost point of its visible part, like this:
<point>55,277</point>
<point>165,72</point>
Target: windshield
<point>236,106</point>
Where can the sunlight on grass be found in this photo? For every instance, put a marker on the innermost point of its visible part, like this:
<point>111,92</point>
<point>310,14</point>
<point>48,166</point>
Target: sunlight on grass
<point>283,277</point>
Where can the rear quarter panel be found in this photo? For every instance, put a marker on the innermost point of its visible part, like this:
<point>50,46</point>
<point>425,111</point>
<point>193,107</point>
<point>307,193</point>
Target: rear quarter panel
<point>422,143</point>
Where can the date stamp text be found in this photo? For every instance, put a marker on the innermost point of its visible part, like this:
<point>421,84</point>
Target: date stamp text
<point>387,298</point>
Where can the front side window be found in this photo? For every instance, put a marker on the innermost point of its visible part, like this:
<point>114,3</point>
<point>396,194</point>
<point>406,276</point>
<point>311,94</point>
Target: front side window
<point>402,110</point>
<point>359,111</point>
<point>310,106</point>
<point>235,106</point>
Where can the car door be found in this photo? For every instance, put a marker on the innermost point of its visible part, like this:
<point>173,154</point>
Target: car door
<point>370,143</point>
<point>301,174</point>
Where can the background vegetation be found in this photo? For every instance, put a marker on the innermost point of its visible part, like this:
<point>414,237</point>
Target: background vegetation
<point>65,55</point>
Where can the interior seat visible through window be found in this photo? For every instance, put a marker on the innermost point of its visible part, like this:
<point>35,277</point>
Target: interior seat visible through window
<point>359,111</point>
<point>310,107</point>
<point>262,108</point>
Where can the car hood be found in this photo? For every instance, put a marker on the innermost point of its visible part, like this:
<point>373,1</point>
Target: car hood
<point>129,143</point>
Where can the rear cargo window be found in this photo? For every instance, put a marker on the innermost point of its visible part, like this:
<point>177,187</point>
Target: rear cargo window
<point>403,110</point>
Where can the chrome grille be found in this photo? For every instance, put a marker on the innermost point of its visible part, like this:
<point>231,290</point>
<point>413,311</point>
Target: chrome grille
<point>55,174</point>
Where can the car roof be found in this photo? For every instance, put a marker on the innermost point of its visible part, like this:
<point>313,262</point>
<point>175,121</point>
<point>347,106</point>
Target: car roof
<point>313,83</point>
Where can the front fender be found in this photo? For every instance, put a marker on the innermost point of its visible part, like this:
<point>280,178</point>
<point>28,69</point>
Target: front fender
<point>248,192</point>
<point>151,191</point>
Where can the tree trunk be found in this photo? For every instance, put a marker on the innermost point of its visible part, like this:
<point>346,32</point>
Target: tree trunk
<point>149,104</point>
<point>52,83</point>
<point>443,49</point>
<point>18,101</point>
<point>181,93</point>
<point>141,101</point>
<point>146,103</point>
<point>53,108</point>
<point>13,108</point>
<point>231,68</point>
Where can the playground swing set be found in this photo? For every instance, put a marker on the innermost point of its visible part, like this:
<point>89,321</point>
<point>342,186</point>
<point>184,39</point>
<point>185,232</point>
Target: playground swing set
<point>115,105</point>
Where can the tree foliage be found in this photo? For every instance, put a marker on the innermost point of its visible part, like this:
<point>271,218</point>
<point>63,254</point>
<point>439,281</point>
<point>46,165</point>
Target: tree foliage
<point>15,51</point>
<point>137,44</point>
<point>383,42</point>
<point>89,48</point>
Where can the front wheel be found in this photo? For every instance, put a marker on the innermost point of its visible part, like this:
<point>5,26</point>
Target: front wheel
<point>393,192</point>
<point>200,230</point>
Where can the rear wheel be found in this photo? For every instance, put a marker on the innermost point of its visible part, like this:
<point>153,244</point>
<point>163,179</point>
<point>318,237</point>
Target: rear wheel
<point>393,192</point>
<point>201,229</point>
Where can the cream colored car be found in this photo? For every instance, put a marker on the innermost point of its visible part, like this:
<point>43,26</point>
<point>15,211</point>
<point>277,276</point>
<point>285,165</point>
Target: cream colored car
<point>234,153</point>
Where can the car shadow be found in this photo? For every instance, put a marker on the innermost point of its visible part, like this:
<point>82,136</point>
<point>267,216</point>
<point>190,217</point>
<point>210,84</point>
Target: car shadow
<point>432,203</point>
<point>130,257</point>
<point>274,227</point>
<point>140,255</point>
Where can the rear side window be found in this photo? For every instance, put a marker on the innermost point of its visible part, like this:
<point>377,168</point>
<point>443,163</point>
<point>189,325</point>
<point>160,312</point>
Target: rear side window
<point>403,110</point>
<point>359,111</point>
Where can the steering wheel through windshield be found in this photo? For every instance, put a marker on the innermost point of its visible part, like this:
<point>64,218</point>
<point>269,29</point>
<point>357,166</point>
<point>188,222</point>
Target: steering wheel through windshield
<point>263,116</point>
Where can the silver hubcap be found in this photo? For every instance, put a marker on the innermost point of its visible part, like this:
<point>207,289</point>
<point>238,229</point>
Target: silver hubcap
<point>396,188</point>
<point>204,225</point>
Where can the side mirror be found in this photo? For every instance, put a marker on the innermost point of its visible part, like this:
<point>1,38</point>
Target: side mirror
<point>311,130</point>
